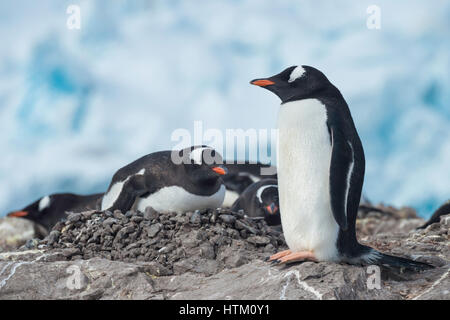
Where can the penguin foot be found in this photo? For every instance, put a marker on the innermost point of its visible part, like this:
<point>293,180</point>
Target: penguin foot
<point>278,255</point>
<point>296,257</point>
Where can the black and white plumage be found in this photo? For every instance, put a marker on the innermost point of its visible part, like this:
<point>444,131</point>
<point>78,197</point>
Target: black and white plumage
<point>242,175</point>
<point>320,171</point>
<point>260,200</point>
<point>169,181</point>
<point>48,210</point>
<point>442,210</point>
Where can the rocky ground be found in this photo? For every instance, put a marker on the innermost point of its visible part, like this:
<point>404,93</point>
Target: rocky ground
<point>215,254</point>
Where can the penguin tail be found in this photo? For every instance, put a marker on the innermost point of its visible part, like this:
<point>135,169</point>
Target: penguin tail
<point>378,258</point>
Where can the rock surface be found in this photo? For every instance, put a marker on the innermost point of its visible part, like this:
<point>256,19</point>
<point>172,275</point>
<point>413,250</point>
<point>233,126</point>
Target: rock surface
<point>15,232</point>
<point>202,256</point>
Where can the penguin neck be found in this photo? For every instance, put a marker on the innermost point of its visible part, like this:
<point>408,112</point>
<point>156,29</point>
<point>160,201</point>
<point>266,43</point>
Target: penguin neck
<point>323,92</point>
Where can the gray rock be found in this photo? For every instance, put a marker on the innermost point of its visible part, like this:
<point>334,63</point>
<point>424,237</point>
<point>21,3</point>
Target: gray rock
<point>227,218</point>
<point>53,237</point>
<point>70,252</point>
<point>118,215</point>
<point>74,217</point>
<point>15,232</point>
<point>109,222</point>
<point>150,214</point>
<point>213,261</point>
<point>258,240</point>
<point>196,218</point>
<point>154,229</point>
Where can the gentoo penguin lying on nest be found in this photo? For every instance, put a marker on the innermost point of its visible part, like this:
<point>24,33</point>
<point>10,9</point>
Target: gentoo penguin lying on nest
<point>169,181</point>
<point>320,172</point>
<point>242,175</point>
<point>48,210</point>
<point>260,199</point>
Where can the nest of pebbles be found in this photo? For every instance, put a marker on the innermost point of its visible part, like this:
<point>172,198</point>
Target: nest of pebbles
<point>204,242</point>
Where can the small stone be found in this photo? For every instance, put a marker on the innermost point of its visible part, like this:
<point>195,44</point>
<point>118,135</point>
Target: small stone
<point>53,237</point>
<point>157,269</point>
<point>150,213</point>
<point>207,251</point>
<point>108,222</point>
<point>239,225</point>
<point>129,214</point>
<point>88,214</point>
<point>236,260</point>
<point>154,229</point>
<point>233,233</point>
<point>74,217</point>
<point>258,240</point>
<point>213,217</point>
<point>118,215</point>
<point>31,243</point>
<point>196,218</point>
<point>136,219</point>
<point>202,235</point>
<point>69,252</point>
<point>169,248</point>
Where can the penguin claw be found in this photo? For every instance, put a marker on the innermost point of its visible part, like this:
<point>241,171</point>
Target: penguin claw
<point>274,262</point>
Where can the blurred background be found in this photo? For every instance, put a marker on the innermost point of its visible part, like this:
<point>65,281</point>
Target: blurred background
<point>76,105</point>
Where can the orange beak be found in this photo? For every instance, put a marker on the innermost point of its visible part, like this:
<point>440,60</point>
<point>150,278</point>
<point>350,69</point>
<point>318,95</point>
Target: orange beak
<point>262,83</point>
<point>220,170</point>
<point>18,214</point>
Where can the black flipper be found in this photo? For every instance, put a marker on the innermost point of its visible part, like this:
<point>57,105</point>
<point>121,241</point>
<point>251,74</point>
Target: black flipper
<point>340,168</point>
<point>134,187</point>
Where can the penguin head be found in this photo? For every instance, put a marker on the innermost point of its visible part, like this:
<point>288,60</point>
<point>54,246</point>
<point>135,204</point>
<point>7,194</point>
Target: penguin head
<point>203,165</point>
<point>237,182</point>
<point>268,202</point>
<point>294,83</point>
<point>35,211</point>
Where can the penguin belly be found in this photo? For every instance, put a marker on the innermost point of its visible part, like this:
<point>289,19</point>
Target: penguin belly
<point>230,198</point>
<point>304,155</point>
<point>177,199</point>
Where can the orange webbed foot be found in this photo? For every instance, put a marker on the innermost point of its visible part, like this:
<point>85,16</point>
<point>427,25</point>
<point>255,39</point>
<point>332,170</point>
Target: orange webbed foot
<point>296,257</point>
<point>278,255</point>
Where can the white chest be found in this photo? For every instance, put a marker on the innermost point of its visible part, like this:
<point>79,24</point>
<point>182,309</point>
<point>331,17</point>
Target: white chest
<point>304,154</point>
<point>176,199</point>
<point>230,198</point>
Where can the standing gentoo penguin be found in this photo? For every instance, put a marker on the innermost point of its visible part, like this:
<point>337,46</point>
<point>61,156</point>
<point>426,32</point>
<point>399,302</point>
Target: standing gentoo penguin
<point>169,181</point>
<point>260,200</point>
<point>48,210</point>
<point>320,172</point>
<point>242,175</point>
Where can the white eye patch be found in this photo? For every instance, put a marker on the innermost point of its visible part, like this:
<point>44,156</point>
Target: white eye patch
<point>296,73</point>
<point>261,190</point>
<point>44,203</point>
